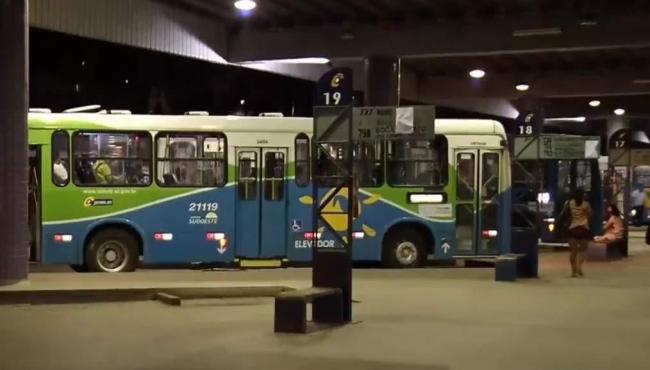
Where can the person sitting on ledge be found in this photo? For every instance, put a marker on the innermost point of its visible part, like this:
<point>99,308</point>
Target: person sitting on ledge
<point>614,226</point>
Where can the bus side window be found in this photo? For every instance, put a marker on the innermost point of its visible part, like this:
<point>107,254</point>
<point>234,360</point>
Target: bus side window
<point>302,160</point>
<point>191,160</point>
<point>274,176</point>
<point>418,162</point>
<point>247,175</point>
<point>112,159</point>
<point>60,158</point>
<point>490,176</point>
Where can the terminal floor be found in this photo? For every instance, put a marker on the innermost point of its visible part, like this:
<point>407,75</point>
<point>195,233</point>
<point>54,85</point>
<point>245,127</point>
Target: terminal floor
<point>433,318</point>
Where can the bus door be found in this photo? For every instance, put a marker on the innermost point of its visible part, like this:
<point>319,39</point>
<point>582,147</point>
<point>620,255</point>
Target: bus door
<point>34,203</point>
<point>261,212</point>
<point>477,201</point>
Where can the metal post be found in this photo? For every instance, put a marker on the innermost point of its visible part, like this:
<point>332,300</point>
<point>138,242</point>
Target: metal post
<point>14,248</point>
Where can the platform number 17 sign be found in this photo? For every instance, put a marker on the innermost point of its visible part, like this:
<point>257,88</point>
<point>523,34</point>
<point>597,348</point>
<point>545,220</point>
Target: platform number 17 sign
<point>335,87</point>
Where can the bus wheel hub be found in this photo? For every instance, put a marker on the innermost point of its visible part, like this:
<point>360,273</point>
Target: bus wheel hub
<point>110,255</point>
<point>406,253</point>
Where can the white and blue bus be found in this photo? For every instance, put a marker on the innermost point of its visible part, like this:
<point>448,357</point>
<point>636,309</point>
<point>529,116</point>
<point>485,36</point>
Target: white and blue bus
<point>109,191</point>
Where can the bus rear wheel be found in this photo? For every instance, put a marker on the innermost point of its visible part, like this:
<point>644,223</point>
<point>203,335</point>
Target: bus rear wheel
<point>112,250</point>
<point>404,248</point>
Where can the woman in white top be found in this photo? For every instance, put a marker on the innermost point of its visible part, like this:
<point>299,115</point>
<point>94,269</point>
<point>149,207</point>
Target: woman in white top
<point>613,227</point>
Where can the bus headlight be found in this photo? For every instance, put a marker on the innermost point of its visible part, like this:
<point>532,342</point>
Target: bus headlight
<point>633,213</point>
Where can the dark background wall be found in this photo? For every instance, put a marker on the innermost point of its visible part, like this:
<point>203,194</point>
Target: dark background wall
<point>68,71</point>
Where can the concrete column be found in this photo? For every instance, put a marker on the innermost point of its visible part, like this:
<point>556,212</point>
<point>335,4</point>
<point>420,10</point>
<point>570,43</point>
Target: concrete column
<point>382,75</point>
<point>14,249</point>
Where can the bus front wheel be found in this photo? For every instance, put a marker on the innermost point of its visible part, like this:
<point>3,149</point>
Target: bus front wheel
<point>404,248</point>
<point>112,250</point>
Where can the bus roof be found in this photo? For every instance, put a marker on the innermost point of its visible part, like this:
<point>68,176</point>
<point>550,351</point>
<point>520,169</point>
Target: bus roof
<point>95,121</point>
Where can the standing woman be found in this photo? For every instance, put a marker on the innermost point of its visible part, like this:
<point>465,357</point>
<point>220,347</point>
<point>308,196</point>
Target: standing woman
<point>579,235</point>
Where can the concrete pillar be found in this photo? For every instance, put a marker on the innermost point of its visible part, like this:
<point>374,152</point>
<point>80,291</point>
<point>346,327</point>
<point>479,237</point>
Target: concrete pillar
<point>14,249</point>
<point>382,75</point>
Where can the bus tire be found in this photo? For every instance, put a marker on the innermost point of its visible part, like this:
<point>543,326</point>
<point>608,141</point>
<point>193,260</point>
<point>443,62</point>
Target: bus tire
<point>404,248</point>
<point>112,250</point>
<point>647,235</point>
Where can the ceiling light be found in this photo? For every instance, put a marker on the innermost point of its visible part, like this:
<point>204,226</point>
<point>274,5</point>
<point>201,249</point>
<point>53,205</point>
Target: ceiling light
<point>619,111</point>
<point>566,119</point>
<point>245,5</point>
<point>522,87</point>
<point>594,103</point>
<point>477,73</point>
<point>307,60</point>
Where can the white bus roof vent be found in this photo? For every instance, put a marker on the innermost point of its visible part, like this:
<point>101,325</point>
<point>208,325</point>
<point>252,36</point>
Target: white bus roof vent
<point>197,113</point>
<point>84,109</point>
<point>40,110</point>
<point>271,114</point>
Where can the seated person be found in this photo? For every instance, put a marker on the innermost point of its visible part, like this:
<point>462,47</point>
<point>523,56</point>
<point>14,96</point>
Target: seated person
<point>613,227</point>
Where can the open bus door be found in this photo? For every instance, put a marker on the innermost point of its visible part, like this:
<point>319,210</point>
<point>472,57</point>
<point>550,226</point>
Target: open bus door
<point>34,203</point>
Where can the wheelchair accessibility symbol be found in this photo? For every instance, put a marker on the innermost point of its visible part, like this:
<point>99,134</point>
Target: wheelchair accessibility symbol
<point>296,225</point>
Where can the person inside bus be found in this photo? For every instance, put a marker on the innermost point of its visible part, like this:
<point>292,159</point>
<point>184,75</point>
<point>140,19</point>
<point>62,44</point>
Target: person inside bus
<point>59,171</point>
<point>104,173</point>
<point>614,226</point>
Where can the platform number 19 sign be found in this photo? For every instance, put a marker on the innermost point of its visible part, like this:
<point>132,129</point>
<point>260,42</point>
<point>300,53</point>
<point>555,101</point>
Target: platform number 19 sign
<point>335,87</point>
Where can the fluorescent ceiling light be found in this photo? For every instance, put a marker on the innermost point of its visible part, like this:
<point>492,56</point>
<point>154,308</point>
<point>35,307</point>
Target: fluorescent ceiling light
<point>477,73</point>
<point>566,119</point>
<point>594,103</point>
<point>619,111</point>
<point>245,5</point>
<point>522,87</point>
<point>537,32</point>
<point>641,81</point>
<point>310,60</point>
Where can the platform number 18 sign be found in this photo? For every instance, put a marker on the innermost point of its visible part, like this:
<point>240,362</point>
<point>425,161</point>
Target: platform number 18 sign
<point>526,126</point>
<point>335,87</point>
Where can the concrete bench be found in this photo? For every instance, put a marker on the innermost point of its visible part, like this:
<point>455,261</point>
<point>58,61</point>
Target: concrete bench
<point>291,308</point>
<point>607,251</point>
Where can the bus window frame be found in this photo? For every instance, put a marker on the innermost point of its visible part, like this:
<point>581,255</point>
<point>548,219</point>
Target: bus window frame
<point>302,136</point>
<point>119,132</point>
<point>204,134</point>
<point>53,156</point>
<point>444,174</point>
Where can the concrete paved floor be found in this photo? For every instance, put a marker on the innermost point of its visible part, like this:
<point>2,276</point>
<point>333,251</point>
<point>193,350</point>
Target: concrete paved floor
<point>441,318</point>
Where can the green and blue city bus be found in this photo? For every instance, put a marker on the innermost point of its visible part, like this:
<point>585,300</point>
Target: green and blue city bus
<point>109,191</point>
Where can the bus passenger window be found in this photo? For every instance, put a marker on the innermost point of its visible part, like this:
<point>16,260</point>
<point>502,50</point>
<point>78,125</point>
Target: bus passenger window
<point>302,160</point>
<point>60,158</point>
<point>274,176</point>
<point>247,176</point>
<point>112,159</point>
<point>185,160</point>
<point>418,162</point>
<point>368,164</point>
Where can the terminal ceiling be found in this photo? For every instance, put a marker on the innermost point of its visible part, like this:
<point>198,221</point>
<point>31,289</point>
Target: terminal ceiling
<point>568,51</point>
